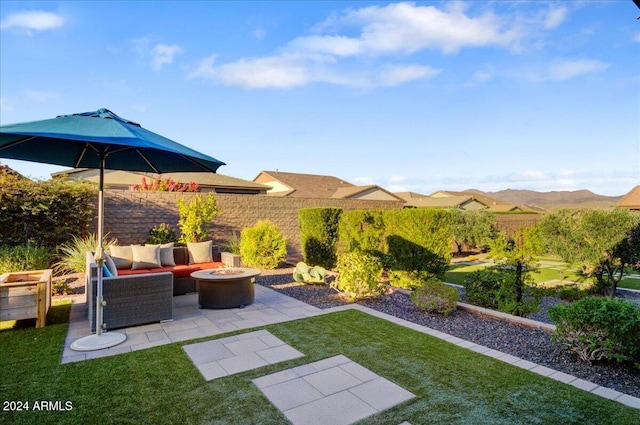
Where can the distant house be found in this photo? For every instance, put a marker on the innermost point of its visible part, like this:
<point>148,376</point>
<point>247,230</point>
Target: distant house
<point>299,185</point>
<point>467,201</point>
<point>631,200</point>
<point>207,182</point>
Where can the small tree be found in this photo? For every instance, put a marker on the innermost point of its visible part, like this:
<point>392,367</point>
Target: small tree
<point>603,242</point>
<point>473,228</point>
<point>196,216</point>
<point>518,253</point>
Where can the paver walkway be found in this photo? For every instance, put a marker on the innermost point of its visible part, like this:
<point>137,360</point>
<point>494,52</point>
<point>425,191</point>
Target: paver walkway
<point>239,353</point>
<point>333,391</point>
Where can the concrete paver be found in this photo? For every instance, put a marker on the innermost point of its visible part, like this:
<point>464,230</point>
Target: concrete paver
<point>325,392</point>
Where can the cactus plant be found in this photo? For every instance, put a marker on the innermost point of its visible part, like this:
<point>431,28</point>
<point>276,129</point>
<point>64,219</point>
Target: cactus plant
<point>303,273</point>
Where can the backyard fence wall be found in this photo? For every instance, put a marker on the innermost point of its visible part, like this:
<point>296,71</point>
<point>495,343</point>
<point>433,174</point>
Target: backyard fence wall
<point>129,215</point>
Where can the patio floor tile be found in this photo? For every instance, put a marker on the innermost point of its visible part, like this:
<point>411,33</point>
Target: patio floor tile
<point>335,390</point>
<point>239,353</point>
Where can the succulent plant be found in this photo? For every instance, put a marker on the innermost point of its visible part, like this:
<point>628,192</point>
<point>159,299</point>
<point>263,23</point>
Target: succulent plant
<point>303,273</point>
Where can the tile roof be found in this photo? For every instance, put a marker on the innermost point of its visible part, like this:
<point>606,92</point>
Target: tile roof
<point>214,180</point>
<point>443,202</point>
<point>308,185</point>
<point>631,200</point>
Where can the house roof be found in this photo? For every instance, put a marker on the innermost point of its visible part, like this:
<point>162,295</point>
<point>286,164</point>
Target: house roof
<point>483,199</point>
<point>442,202</point>
<point>631,200</point>
<point>219,182</point>
<point>410,195</point>
<point>305,185</point>
<point>300,185</point>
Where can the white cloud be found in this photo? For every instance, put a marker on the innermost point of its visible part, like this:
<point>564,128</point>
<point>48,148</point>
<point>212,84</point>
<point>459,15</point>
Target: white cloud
<point>33,20</point>
<point>360,47</point>
<point>555,17</point>
<point>276,71</point>
<point>40,96</point>
<point>396,75</point>
<point>259,33</point>
<point>163,54</point>
<point>405,28</point>
<point>363,181</point>
<point>397,179</point>
<point>566,69</point>
<point>636,37</point>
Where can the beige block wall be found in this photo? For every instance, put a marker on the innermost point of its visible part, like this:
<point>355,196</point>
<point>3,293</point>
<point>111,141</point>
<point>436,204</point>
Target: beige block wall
<point>129,215</point>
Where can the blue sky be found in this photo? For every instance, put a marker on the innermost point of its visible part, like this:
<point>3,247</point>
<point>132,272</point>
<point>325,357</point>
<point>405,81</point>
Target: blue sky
<point>419,96</point>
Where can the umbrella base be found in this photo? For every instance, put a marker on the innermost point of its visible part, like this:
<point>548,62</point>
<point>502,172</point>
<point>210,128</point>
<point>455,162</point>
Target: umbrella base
<point>98,342</point>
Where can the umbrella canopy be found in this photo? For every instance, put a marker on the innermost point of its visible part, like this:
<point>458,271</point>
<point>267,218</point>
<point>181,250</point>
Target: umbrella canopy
<point>102,140</point>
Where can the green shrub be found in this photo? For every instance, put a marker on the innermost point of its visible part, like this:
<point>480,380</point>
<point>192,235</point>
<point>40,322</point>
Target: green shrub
<point>73,254</point>
<point>21,258</point>
<point>43,213</point>
<point>598,328</point>
<point>232,244</point>
<point>495,288</point>
<point>436,297</point>
<point>319,235</point>
<point>361,230</point>
<point>161,234</point>
<point>419,239</point>
<point>196,216</point>
<point>263,245</point>
<point>315,274</point>
<point>359,275</point>
<point>409,280</point>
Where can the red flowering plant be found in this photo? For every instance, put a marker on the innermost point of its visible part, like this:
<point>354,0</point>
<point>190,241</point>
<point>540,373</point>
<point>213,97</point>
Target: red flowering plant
<point>165,185</point>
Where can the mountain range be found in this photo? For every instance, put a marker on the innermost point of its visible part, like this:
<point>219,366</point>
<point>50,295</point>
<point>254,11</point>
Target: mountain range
<point>553,199</point>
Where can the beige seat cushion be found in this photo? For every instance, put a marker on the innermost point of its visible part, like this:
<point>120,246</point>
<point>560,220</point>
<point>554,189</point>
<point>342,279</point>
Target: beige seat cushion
<point>146,257</point>
<point>122,256</point>
<point>166,254</point>
<point>200,252</point>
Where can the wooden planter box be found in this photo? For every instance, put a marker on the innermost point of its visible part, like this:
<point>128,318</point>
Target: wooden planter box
<point>25,295</point>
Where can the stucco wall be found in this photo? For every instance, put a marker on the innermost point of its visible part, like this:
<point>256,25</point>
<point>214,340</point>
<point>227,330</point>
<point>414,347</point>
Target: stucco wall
<point>129,215</point>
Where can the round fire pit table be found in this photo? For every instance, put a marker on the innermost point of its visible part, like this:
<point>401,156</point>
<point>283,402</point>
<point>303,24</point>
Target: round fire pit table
<point>225,288</point>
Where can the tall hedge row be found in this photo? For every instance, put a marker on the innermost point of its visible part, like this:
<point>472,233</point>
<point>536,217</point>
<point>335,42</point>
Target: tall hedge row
<point>319,235</point>
<point>419,240</point>
<point>43,213</point>
<point>412,242</point>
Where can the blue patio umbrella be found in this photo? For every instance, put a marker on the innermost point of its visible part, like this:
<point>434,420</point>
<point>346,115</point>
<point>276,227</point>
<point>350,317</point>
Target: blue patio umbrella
<point>101,140</point>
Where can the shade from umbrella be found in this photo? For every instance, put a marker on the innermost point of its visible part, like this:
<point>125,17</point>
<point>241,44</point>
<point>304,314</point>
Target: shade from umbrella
<point>102,140</point>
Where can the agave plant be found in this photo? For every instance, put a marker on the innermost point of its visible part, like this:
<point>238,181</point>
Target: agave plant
<point>73,253</point>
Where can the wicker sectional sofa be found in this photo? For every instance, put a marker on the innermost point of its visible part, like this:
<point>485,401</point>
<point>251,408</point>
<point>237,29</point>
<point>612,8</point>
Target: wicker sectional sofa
<point>136,297</point>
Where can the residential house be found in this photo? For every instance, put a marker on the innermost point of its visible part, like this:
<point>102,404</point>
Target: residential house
<point>207,182</point>
<point>631,200</point>
<point>300,185</point>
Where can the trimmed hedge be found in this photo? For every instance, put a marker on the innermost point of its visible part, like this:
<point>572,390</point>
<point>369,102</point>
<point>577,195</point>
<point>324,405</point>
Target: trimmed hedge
<point>319,235</point>
<point>413,244</point>
<point>43,213</point>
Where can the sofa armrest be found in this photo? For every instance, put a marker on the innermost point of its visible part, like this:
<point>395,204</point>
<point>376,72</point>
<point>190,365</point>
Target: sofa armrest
<point>229,259</point>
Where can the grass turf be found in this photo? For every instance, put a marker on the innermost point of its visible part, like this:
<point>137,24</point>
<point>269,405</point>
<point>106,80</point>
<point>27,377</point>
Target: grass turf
<point>160,385</point>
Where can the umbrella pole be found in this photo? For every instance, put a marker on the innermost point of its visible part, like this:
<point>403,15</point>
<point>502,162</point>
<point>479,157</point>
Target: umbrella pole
<point>99,340</point>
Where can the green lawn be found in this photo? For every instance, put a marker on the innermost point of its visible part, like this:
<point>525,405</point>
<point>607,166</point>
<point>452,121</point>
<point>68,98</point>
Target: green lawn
<point>161,386</point>
<point>551,269</point>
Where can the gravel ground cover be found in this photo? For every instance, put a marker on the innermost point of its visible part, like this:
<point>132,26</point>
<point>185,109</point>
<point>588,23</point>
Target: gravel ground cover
<point>529,344</point>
